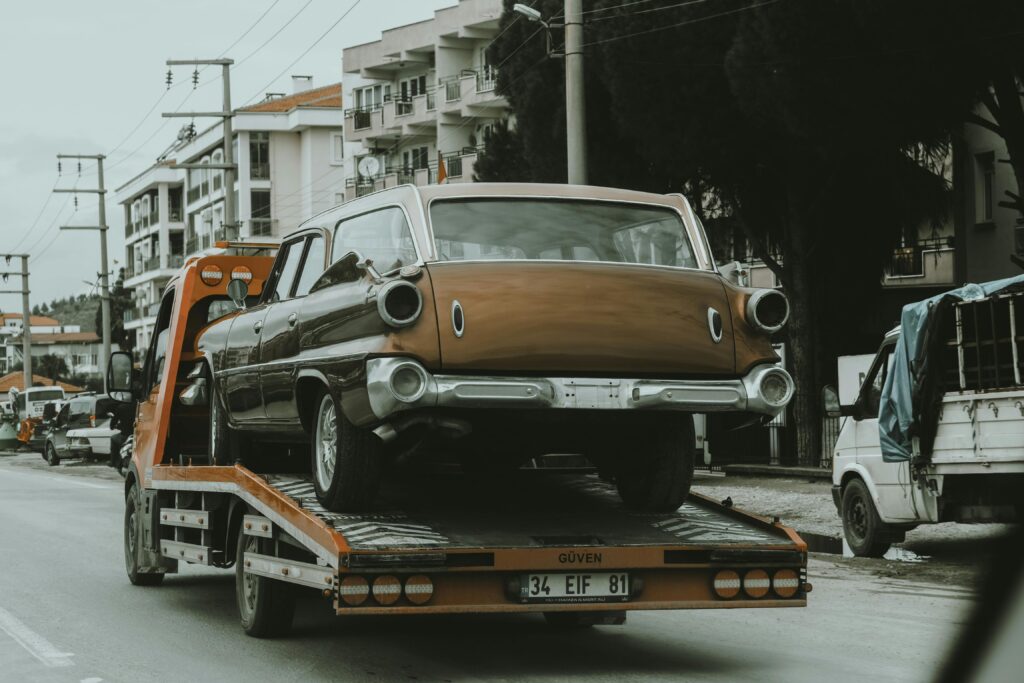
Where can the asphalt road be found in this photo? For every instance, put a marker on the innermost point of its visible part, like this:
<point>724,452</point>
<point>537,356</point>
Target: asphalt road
<point>68,613</point>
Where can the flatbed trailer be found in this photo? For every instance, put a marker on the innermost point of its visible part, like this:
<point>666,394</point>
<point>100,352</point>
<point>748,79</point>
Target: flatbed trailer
<point>532,542</point>
<point>435,541</point>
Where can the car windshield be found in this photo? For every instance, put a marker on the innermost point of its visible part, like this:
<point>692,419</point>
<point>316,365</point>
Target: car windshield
<point>48,395</point>
<point>560,230</point>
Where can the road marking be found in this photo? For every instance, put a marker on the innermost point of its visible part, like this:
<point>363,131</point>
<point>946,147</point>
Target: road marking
<point>35,644</point>
<point>61,479</point>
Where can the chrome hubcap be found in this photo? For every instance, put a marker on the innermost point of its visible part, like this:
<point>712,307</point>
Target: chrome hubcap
<point>326,442</point>
<point>250,583</point>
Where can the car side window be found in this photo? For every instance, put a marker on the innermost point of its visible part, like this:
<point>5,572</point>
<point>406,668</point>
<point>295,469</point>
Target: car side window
<point>285,267</point>
<point>876,380</point>
<point>312,265</point>
<point>383,236</point>
<point>62,416</point>
<point>154,368</point>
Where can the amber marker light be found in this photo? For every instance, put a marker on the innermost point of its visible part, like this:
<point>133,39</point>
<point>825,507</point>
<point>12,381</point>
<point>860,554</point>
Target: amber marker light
<point>785,583</point>
<point>211,275</point>
<point>354,590</point>
<point>241,273</point>
<point>756,583</point>
<point>387,589</point>
<point>727,584</point>
<point>419,589</point>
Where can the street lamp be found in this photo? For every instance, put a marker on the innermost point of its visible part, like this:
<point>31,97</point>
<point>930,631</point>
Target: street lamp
<point>575,97</point>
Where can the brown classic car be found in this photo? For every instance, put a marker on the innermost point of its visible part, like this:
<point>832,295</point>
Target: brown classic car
<point>496,322</point>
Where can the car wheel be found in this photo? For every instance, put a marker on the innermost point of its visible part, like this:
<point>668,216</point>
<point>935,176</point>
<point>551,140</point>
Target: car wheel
<point>51,455</point>
<point>865,532</point>
<point>220,433</point>
<point>266,606</point>
<point>656,475</point>
<point>132,541</point>
<point>346,459</point>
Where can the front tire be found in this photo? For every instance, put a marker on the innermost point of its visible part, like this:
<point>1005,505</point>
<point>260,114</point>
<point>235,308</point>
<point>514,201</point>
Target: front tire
<point>52,459</point>
<point>865,532</point>
<point>656,475</point>
<point>132,541</point>
<point>346,458</point>
<point>266,606</point>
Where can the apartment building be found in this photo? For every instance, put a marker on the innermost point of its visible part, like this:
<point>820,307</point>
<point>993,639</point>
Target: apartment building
<point>290,153</point>
<point>422,92</point>
<point>79,350</point>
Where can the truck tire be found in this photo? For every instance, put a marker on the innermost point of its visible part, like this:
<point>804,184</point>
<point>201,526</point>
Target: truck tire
<point>52,459</point>
<point>656,475</point>
<point>132,540</point>
<point>346,459</point>
<point>865,532</point>
<point>265,606</point>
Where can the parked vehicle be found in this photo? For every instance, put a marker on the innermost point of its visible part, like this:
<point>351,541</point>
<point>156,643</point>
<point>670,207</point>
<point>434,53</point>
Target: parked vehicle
<point>33,430</point>
<point>81,429</point>
<point>937,430</point>
<point>29,402</point>
<point>530,541</point>
<point>500,322</point>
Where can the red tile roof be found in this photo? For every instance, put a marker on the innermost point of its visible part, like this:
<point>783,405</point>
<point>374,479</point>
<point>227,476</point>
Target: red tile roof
<point>327,96</point>
<point>14,380</point>
<point>40,320</point>
<point>64,337</point>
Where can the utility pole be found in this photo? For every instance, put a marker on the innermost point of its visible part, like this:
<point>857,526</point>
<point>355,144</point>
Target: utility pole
<point>101,191</point>
<point>228,166</point>
<point>575,97</point>
<point>26,313</point>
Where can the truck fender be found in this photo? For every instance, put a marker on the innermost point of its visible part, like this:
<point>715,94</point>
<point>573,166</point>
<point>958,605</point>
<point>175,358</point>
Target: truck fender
<point>237,510</point>
<point>857,471</point>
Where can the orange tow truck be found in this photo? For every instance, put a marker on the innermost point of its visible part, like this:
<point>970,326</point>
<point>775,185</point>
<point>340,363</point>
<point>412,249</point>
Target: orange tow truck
<point>542,541</point>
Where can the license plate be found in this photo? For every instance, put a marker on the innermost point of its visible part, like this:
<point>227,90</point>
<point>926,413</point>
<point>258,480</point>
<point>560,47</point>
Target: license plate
<point>593,587</point>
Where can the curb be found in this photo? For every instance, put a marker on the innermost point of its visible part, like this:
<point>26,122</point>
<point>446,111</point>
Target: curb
<point>777,471</point>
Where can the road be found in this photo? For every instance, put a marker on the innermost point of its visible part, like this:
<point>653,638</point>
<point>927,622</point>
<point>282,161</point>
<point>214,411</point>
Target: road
<point>68,613</point>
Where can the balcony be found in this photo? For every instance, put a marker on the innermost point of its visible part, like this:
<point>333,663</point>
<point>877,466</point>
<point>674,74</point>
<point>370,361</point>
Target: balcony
<point>227,234</point>
<point>360,123</point>
<point>486,80</point>
<point>929,263</point>
<point>452,88</point>
<point>152,263</point>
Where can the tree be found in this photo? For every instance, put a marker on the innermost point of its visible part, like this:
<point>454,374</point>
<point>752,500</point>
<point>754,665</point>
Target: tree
<point>798,118</point>
<point>120,301</point>
<point>50,366</point>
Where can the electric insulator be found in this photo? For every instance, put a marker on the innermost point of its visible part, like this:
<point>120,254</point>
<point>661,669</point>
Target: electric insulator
<point>58,167</point>
<point>195,78</point>
<point>170,78</point>
<point>76,202</point>
<point>79,168</point>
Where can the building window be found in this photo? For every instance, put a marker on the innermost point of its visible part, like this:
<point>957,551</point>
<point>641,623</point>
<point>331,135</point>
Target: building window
<point>260,211</point>
<point>337,148</point>
<point>986,186</point>
<point>339,198</point>
<point>259,155</point>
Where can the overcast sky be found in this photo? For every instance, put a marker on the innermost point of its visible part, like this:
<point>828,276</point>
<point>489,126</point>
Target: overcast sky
<point>77,77</point>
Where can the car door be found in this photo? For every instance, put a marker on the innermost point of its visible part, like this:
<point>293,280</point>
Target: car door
<point>279,347</point>
<point>58,433</point>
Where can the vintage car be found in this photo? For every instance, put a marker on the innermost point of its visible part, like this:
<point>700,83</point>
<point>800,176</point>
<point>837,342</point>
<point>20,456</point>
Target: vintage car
<point>498,322</point>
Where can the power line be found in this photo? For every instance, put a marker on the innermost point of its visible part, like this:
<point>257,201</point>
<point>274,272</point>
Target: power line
<point>36,221</point>
<point>682,23</point>
<point>646,11</point>
<point>306,51</point>
<point>274,35</point>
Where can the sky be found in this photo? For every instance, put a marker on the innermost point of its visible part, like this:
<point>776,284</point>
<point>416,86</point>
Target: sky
<point>79,78</point>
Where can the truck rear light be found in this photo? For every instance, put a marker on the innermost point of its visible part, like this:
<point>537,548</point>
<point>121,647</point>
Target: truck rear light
<point>756,583</point>
<point>785,583</point>
<point>419,589</point>
<point>408,382</point>
<point>768,310</point>
<point>399,303</point>
<point>354,590</point>
<point>387,589</point>
<point>727,584</point>
<point>92,420</point>
<point>211,275</point>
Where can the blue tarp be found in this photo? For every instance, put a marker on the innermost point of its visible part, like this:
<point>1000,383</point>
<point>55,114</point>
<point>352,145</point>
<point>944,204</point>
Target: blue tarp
<point>898,406</point>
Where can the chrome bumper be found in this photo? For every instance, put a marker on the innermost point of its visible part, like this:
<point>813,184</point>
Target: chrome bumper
<point>392,388</point>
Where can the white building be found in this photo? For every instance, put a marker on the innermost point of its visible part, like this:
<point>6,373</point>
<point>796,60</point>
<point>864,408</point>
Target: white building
<point>80,350</point>
<point>422,89</point>
<point>290,153</point>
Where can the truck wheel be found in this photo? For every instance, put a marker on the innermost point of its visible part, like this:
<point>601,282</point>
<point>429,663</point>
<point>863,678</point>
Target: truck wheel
<point>346,459</point>
<point>656,475</point>
<point>266,606</point>
<point>133,539</point>
<point>51,455</point>
<point>866,534</point>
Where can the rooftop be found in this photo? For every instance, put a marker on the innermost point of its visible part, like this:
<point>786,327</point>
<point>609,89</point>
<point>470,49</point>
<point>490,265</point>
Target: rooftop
<point>15,380</point>
<point>328,96</point>
<point>64,337</point>
<point>38,320</point>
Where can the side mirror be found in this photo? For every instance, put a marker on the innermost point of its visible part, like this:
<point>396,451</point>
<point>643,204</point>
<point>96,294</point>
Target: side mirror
<point>830,401</point>
<point>237,291</point>
<point>120,373</point>
<point>349,268</point>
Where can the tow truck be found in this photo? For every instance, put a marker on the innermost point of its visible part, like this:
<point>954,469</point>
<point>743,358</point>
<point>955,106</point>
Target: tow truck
<point>541,541</point>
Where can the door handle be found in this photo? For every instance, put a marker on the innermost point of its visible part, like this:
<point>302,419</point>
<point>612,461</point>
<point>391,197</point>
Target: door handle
<point>291,320</point>
<point>257,326</point>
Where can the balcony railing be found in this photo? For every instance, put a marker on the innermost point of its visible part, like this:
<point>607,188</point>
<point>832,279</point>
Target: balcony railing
<point>486,80</point>
<point>431,100</point>
<point>403,107</point>
<point>175,215</point>
<point>193,194</point>
<point>151,263</point>
<point>191,245</point>
<point>452,89</point>
<point>909,261</point>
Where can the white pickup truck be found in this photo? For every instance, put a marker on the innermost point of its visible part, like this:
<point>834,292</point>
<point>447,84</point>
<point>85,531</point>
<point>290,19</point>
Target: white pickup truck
<point>967,436</point>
